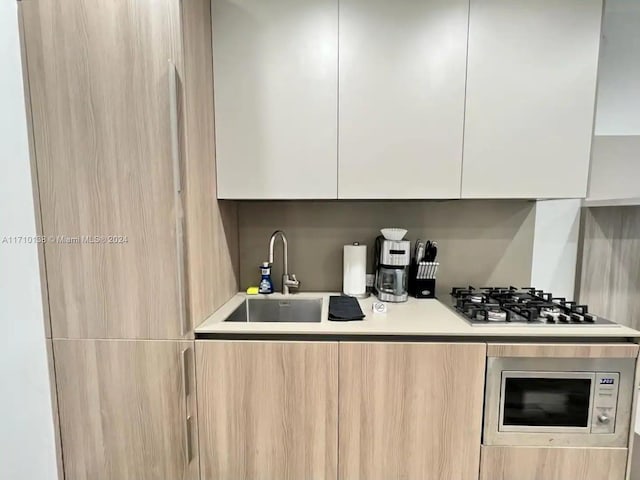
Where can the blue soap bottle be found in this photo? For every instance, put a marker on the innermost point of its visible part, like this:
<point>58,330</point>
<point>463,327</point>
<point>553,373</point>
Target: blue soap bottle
<point>266,285</point>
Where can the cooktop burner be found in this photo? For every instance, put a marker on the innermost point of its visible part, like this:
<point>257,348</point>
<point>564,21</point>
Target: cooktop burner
<point>518,306</point>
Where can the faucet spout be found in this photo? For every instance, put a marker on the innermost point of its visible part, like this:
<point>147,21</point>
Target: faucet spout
<point>288,281</point>
<point>285,249</point>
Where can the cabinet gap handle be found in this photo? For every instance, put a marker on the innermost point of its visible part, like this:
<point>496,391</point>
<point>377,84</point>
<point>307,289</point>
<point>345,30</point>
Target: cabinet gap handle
<point>186,390</point>
<point>187,439</point>
<point>184,367</point>
<point>177,187</point>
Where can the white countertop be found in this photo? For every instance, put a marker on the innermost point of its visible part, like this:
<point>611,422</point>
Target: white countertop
<point>416,317</point>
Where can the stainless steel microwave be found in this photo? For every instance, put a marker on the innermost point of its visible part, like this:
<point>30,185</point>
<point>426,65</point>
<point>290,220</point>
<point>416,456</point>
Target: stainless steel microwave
<point>558,401</point>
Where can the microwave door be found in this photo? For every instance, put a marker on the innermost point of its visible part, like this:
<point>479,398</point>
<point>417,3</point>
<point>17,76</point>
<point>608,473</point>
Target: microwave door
<point>546,401</point>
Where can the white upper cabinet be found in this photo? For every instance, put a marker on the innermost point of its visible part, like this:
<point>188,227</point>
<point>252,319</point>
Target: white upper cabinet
<point>531,86</point>
<point>320,99</point>
<point>275,78</point>
<point>615,155</point>
<point>615,169</point>
<point>401,98</point>
<point>618,104</point>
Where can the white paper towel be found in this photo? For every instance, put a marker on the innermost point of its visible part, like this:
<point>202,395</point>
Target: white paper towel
<point>354,269</point>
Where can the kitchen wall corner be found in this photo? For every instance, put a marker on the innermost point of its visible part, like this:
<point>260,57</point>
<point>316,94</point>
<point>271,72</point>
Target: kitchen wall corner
<point>555,246</point>
<point>610,263</point>
<point>27,435</point>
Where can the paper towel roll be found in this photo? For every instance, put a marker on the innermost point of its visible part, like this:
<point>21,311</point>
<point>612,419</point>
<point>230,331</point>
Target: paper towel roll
<point>354,269</point>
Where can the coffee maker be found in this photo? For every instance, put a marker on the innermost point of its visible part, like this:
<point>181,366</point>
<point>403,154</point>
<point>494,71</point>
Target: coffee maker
<point>391,263</point>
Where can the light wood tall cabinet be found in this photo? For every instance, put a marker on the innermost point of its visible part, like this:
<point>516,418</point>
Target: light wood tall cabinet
<point>127,409</point>
<point>268,410</point>
<point>531,84</point>
<point>401,98</point>
<point>276,87</point>
<point>138,248</point>
<point>125,166</point>
<point>410,410</point>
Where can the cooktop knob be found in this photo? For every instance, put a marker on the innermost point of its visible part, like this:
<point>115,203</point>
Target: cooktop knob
<point>603,418</point>
<point>590,317</point>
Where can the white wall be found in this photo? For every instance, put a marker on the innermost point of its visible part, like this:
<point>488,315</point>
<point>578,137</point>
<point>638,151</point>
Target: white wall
<point>27,448</point>
<point>618,107</point>
<point>555,246</point>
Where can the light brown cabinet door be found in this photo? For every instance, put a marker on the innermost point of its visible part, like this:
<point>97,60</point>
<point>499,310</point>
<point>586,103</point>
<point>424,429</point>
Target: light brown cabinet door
<point>532,463</point>
<point>410,410</point>
<point>124,409</point>
<point>99,85</point>
<point>268,410</point>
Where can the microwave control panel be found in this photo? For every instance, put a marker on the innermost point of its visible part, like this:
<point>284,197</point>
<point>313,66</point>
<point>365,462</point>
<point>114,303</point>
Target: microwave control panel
<point>605,402</point>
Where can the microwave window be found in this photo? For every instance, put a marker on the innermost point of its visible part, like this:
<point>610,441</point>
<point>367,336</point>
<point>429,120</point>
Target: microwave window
<point>546,402</point>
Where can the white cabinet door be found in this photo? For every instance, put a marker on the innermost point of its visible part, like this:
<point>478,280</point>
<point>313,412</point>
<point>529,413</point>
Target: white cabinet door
<point>531,85</point>
<point>275,77</point>
<point>401,98</point>
<point>615,168</point>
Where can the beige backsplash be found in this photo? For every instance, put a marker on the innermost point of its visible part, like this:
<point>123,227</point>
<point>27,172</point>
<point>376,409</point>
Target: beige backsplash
<point>481,242</point>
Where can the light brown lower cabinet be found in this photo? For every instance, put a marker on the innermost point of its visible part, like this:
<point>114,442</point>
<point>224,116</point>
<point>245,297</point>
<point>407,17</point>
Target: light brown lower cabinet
<point>124,409</point>
<point>268,410</point>
<point>293,410</point>
<point>543,463</point>
<point>410,410</point>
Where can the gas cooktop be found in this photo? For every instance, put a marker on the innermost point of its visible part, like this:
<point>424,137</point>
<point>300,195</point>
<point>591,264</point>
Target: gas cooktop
<point>521,306</point>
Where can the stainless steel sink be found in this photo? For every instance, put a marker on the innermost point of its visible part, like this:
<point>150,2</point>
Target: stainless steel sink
<point>278,310</point>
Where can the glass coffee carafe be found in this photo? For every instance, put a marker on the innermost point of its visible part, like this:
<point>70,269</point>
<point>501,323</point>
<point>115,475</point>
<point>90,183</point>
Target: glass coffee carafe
<point>391,283</point>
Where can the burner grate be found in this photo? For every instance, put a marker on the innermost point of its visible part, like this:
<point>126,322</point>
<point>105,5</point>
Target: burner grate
<point>525,305</point>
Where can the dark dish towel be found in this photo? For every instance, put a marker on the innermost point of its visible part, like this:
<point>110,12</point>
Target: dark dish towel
<point>344,309</point>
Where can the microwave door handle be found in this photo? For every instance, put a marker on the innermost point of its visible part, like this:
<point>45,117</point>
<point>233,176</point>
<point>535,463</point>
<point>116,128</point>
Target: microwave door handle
<point>592,395</point>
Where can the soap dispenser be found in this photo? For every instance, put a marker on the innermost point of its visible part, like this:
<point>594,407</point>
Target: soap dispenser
<point>266,285</point>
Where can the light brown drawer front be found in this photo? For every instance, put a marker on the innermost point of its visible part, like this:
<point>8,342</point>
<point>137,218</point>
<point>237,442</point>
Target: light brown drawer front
<point>563,350</point>
<point>541,463</point>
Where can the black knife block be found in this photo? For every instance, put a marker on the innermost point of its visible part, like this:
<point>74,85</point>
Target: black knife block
<point>421,288</point>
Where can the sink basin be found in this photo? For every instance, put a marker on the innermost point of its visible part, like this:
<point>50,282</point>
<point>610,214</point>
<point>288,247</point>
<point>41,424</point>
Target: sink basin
<point>278,310</point>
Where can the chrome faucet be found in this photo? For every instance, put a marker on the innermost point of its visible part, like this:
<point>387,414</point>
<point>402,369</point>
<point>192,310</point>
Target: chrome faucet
<point>288,281</point>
